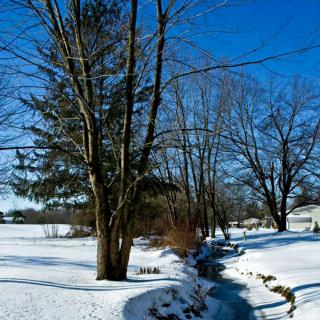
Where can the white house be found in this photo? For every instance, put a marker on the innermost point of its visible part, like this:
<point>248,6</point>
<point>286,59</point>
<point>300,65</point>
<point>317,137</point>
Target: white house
<point>11,220</point>
<point>8,220</point>
<point>304,217</point>
<point>251,222</point>
<point>234,224</point>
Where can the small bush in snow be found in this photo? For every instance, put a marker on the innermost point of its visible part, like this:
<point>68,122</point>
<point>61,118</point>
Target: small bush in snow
<point>149,270</point>
<point>51,230</point>
<point>79,232</point>
<point>316,228</point>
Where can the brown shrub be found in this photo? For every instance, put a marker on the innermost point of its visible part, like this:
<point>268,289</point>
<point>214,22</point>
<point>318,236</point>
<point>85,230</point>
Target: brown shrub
<point>157,242</point>
<point>182,240</point>
<point>84,217</point>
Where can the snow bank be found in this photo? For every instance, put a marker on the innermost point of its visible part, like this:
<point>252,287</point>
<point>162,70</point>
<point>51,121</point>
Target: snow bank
<point>178,292</point>
<point>181,292</point>
<point>279,261</point>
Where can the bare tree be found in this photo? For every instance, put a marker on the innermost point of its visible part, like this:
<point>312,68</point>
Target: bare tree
<point>275,140</point>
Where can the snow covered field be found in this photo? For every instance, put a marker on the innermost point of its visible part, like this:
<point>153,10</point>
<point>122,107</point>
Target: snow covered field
<point>43,278</point>
<point>55,279</point>
<point>293,258</point>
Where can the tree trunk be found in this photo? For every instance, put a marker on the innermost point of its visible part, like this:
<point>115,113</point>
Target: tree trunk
<point>283,221</point>
<point>112,258</point>
<point>103,243</point>
<point>283,212</point>
<point>205,217</point>
<point>277,219</point>
<point>213,225</point>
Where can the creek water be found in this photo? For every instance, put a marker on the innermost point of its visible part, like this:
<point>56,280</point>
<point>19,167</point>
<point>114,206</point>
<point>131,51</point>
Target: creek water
<point>234,305</point>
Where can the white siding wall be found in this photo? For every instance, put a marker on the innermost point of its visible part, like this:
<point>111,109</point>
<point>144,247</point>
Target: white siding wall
<point>312,210</point>
<point>298,225</point>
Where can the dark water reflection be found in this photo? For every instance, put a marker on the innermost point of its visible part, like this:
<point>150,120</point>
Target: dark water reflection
<point>234,306</point>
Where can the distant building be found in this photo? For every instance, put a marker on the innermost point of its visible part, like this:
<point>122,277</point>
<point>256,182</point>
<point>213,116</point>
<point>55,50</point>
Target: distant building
<point>304,217</point>
<point>267,222</point>
<point>8,220</point>
<point>16,218</point>
<point>251,222</point>
<point>234,224</point>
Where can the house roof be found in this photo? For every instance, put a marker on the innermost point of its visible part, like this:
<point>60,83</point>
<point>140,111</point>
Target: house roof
<point>299,218</point>
<point>252,220</point>
<point>12,218</point>
<point>306,209</point>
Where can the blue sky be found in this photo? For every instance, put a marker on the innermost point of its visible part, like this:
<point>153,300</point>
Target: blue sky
<point>280,25</point>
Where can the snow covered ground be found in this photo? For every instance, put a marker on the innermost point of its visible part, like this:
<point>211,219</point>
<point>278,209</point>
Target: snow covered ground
<point>292,258</point>
<point>42,278</point>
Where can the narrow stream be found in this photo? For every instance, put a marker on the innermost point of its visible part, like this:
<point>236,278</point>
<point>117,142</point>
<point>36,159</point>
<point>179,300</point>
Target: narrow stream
<point>234,306</point>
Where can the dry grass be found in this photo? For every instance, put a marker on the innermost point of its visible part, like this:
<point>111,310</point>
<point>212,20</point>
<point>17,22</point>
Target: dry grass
<point>182,241</point>
<point>285,292</point>
<point>282,290</point>
<point>266,278</point>
<point>157,242</point>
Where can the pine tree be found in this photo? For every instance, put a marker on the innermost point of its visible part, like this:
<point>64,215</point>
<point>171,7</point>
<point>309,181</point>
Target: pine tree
<point>58,175</point>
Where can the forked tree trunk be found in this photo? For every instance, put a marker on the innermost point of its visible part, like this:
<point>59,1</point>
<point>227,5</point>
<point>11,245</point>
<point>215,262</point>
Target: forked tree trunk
<point>122,221</point>
<point>120,259</point>
<point>113,249</point>
<point>114,256</point>
<point>112,253</point>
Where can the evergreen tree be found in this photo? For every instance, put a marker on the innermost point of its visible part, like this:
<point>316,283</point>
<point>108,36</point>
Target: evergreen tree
<point>18,217</point>
<point>58,175</point>
<point>316,228</point>
<point>88,45</point>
